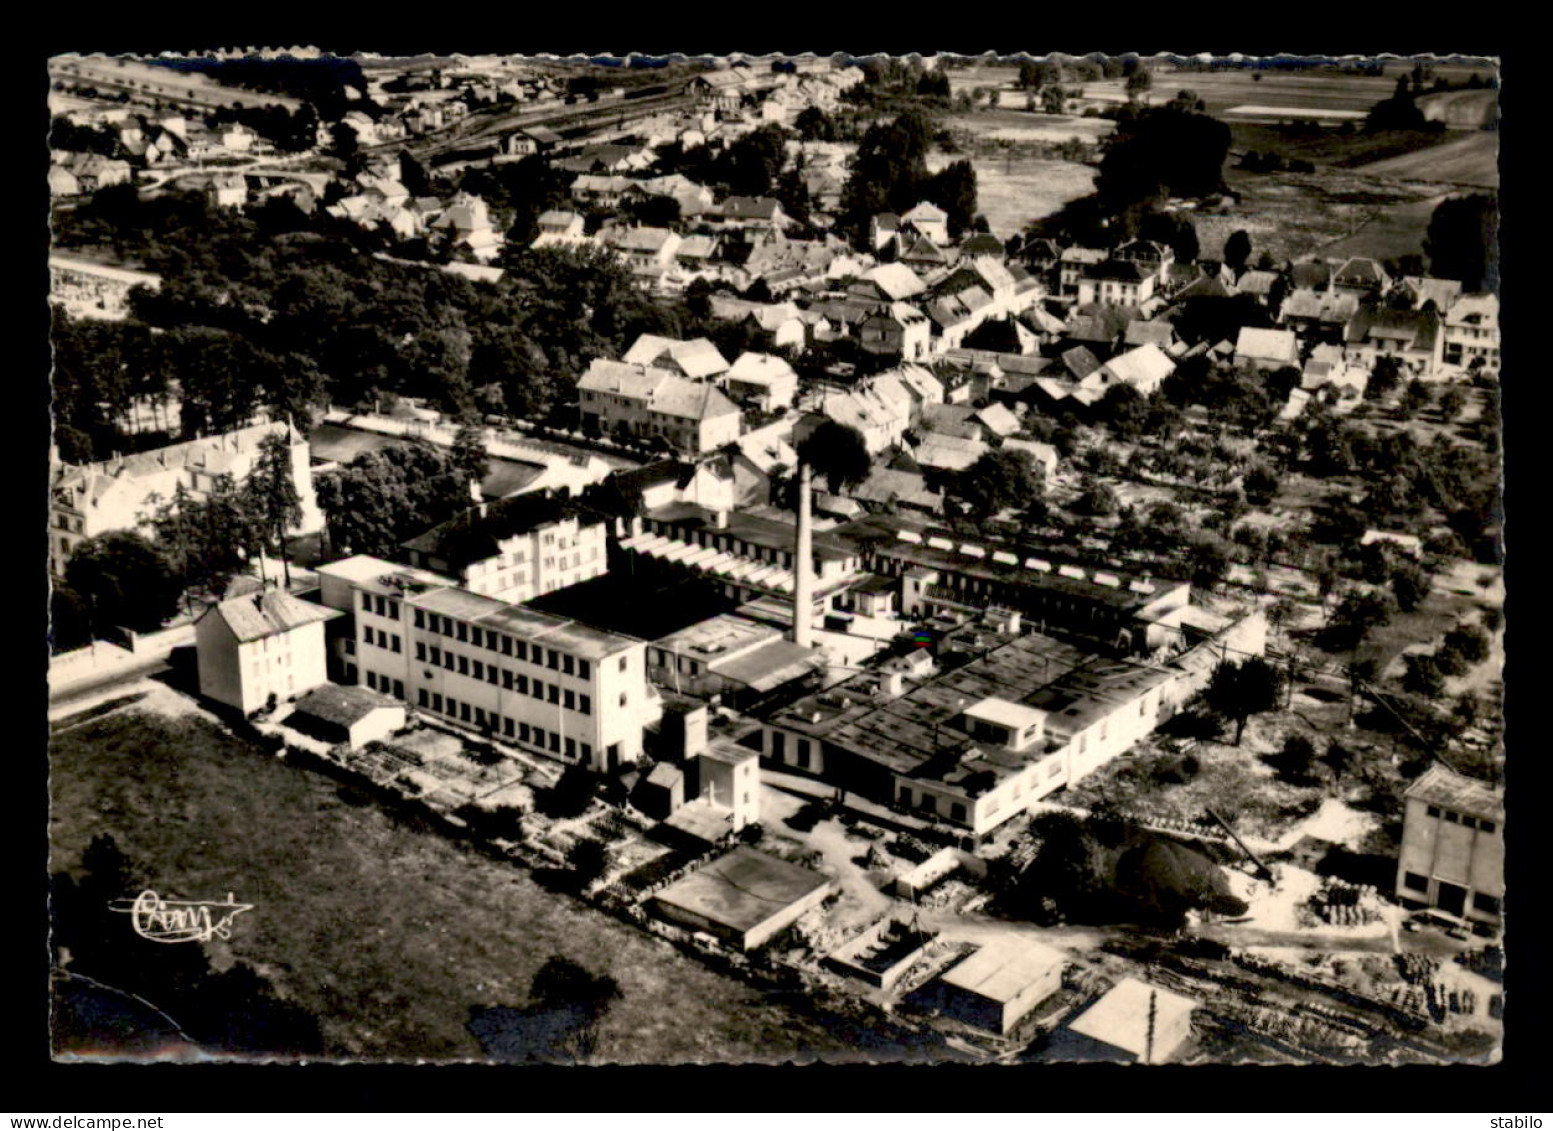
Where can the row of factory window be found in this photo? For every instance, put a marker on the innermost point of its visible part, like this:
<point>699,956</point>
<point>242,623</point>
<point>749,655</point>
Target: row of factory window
<point>507,680</point>
<point>494,641</point>
<point>382,683</point>
<point>1462,819</point>
<point>385,640</point>
<point>382,606</point>
<point>552,741</point>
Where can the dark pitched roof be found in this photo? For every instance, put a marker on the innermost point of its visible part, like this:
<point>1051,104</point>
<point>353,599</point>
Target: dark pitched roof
<point>342,706</point>
<point>1121,270</point>
<point>1420,327</point>
<point>473,536</point>
<point>1080,362</point>
<point>982,243</point>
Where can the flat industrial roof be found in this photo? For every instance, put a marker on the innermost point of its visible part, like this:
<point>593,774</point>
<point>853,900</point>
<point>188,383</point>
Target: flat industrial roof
<point>1004,713</point>
<point>717,636</point>
<point>1003,970</point>
<point>381,576</point>
<point>743,889</point>
<point>519,620</point>
<point>1121,1017</point>
<point>907,733</point>
<point>772,664</point>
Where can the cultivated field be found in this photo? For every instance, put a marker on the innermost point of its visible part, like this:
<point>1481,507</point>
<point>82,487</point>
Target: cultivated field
<point>1472,159</point>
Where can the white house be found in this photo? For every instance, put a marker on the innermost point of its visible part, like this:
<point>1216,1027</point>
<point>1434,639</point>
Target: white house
<point>767,382</point>
<point>261,644</point>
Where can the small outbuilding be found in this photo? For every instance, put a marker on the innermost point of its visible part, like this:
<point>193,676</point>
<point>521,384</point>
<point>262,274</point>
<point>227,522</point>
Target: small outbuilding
<point>352,715</point>
<point>743,898</point>
<point>1138,1022</point>
<point>1000,983</point>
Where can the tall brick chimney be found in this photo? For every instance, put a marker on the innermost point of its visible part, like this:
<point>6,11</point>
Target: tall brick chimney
<point>803,565</point>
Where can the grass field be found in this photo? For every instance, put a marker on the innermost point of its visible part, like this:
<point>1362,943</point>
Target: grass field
<point>1470,159</point>
<point>389,934</point>
<point>1391,231</point>
<point>1013,191</point>
<point>1331,212</point>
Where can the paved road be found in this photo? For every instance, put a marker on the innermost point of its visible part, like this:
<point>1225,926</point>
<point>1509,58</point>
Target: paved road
<point>78,694</point>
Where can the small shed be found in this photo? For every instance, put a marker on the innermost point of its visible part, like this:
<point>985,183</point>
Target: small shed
<point>352,715</point>
<point>1147,1024</point>
<point>744,898</point>
<point>1000,983</point>
<point>660,792</point>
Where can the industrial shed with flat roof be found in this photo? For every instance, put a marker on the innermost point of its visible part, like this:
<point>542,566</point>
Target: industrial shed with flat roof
<point>744,898</point>
<point>1000,983</point>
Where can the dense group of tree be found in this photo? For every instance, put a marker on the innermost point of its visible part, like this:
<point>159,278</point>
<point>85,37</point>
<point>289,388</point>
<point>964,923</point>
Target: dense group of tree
<point>321,82</point>
<point>1102,870</point>
<point>272,309</point>
<point>380,499</point>
<point>1161,152</point>
<point>889,173</point>
<point>1463,241</point>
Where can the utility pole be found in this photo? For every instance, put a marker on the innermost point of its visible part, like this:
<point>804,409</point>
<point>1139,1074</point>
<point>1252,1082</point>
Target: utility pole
<point>1148,1036</point>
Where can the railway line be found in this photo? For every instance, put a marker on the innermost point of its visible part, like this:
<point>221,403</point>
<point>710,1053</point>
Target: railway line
<point>483,131</point>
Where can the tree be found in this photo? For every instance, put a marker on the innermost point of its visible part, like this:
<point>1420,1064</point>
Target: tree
<point>999,480</point>
<point>413,175</point>
<point>813,124</point>
<point>1237,250</point>
<point>1260,485</point>
<point>345,144</point>
<point>70,620</point>
<point>837,454</point>
<point>126,581</point>
<point>272,493</point>
<point>1357,614</point>
<point>380,499</point>
<point>1452,401</point>
<point>469,456</point>
<point>1385,378</point>
<point>1209,558</point>
<point>1239,690</point>
<point>1415,398</point>
<point>1467,641</point>
<point>887,170</point>
<point>1411,585</point>
<point>1423,675</point>
<point>1160,153</point>
<point>1124,410</point>
<point>1095,498</point>
<point>954,190</point>
<point>1463,241</point>
<point>1297,758</point>
<point>1139,81</point>
<point>1053,100</point>
<point>571,795</point>
<point>588,859</point>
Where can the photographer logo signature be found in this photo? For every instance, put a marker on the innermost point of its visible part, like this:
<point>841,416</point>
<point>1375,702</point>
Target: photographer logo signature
<point>174,921</point>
